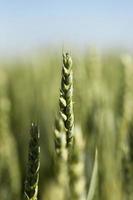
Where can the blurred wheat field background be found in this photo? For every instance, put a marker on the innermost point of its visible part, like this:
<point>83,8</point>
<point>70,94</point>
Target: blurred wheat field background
<point>103,114</point>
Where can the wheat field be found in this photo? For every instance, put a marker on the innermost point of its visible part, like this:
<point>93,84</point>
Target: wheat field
<point>66,127</point>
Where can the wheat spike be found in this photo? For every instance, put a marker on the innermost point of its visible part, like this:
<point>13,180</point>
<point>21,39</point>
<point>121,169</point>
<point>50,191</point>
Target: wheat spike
<point>32,178</point>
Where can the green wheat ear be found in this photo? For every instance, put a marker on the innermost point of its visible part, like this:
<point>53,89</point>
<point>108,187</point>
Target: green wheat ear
<point>66,93</point>
<point>32,178</point>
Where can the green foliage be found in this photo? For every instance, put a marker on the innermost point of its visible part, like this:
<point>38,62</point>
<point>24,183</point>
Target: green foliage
<point>93,182</point>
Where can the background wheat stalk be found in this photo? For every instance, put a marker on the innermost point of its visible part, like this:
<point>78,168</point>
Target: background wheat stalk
<point>9,162</point>
<point>127,129</point>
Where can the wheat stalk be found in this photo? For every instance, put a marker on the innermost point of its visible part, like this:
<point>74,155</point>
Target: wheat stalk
<point>63,131</point>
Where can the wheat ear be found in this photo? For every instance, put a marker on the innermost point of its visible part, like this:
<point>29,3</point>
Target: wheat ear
<point>66,94</point>
<point>32,178</point>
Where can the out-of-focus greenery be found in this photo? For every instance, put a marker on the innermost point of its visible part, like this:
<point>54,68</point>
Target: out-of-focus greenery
<point>103,107</point>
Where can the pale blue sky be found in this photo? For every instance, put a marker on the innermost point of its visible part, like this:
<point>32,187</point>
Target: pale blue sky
<point>28,24</point>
